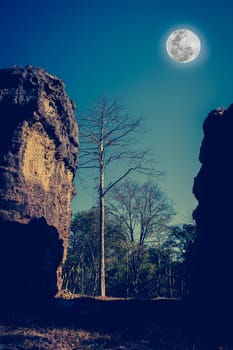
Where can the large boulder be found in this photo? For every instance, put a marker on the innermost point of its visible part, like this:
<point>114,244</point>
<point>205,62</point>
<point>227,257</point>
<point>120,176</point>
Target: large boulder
<point>38,161</point>
<point>213,188</point>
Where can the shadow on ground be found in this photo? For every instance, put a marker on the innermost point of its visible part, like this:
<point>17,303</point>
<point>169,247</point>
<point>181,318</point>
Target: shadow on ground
<point>197,323</point>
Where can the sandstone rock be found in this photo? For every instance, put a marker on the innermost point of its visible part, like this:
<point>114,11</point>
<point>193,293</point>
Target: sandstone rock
<point>213,188</point>
<point>38,161</point>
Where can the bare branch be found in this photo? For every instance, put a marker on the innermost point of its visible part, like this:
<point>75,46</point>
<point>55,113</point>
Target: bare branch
<point>118,180</point>
<point>88,167</point>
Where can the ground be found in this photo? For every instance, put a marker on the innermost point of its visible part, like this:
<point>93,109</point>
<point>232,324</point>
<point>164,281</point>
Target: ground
<point>112,324</point>
<point>38,338</point>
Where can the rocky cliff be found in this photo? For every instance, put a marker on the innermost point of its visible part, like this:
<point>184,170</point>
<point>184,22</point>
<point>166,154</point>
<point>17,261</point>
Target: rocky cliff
<point>38,161</point>
<point>213,188</point>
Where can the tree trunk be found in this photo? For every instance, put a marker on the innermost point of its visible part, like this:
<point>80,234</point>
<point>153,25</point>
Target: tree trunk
<point>101,248</point>
<point>159,275</point>
<point>101,220</point>
<point>82,279</point>
<point>170,278</point>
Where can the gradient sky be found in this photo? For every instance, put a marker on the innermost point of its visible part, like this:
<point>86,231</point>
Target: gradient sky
<point>117,48</point>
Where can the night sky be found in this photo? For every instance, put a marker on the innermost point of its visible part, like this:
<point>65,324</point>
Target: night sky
<point>117,48</point>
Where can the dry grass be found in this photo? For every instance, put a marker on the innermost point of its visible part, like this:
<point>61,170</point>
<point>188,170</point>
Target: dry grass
<point>50,338</point>
<point>66,294</point>
<point>39,338</point>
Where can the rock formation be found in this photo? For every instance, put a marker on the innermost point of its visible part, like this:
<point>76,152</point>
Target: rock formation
<point>213,188</point>
<point>38,160</point>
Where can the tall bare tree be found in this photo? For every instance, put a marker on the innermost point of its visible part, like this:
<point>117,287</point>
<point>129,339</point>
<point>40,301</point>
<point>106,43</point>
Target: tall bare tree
<point>107,139</point>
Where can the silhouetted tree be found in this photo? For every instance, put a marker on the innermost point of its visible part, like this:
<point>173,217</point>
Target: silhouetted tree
<point>178,245</point>
<point>144,212</point>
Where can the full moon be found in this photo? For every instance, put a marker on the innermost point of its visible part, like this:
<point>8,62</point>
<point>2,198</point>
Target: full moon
<point>183,45</point>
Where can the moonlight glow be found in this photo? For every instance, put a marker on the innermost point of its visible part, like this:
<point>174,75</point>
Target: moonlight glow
<point>183,45</point>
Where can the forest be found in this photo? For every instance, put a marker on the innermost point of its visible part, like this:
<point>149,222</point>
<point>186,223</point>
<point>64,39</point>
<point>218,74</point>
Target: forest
<point>149,266</point>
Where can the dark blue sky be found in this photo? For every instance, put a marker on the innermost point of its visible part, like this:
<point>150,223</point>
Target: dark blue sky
<point>118,48</point>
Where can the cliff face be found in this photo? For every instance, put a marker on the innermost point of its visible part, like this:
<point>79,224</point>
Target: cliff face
<point>213,188</point>
<point>38,157</point>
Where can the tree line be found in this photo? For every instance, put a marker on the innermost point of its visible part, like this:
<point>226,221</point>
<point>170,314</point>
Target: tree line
<point>144,255</point>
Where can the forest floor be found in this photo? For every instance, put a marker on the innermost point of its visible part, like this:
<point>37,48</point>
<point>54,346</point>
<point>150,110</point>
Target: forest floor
<point>39,338</point>
<point>110,324</point>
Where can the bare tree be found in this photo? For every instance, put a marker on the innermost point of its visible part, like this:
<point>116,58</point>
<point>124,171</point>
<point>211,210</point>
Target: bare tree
<point>145,212</point>
<point>107,135</point>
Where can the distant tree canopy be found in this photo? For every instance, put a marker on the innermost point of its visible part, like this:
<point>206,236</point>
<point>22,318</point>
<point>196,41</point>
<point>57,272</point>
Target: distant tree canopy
<point>144,255</point>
